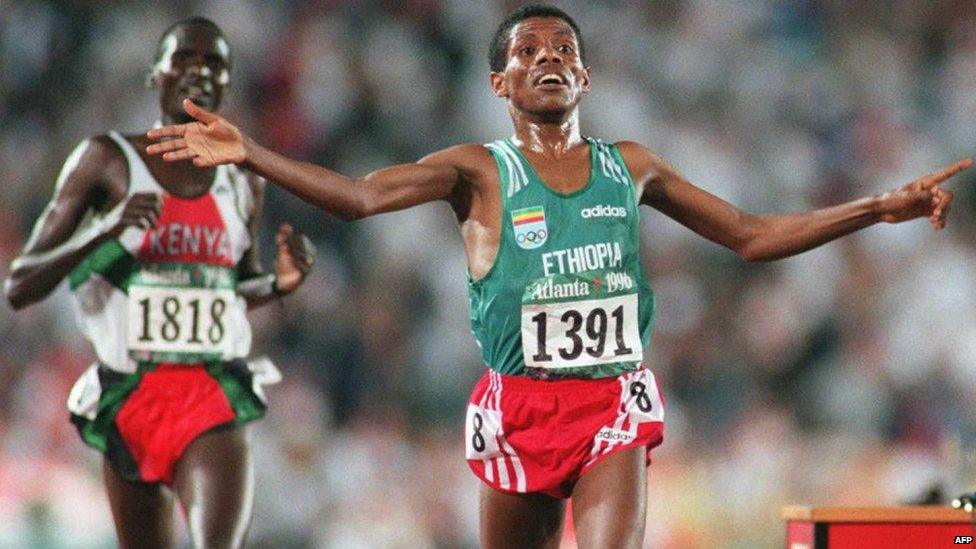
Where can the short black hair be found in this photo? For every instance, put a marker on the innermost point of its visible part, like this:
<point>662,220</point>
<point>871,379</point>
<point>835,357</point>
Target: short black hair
<point>189,21</point>
<point>497,54</point>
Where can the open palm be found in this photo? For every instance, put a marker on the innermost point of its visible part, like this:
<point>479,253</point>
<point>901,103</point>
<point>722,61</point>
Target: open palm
<point>208,142</point>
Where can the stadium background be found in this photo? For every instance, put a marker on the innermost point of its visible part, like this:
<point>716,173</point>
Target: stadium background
<point>844,376</point>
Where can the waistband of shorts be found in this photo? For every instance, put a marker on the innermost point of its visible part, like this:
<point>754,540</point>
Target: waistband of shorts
<point>524,384</point>
<point>145,367</point>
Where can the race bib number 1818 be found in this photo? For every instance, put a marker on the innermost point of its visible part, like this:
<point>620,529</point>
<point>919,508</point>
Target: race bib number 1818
<point>194,321</point>
<point>581,333</point>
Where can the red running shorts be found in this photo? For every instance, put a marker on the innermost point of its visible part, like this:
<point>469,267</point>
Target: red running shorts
<point>524,435</point>
<point>171,407</point>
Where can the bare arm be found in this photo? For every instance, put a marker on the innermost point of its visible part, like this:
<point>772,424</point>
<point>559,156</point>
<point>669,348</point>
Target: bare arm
<point>93,174</point>
<point>774,236</point>
<point>212,140</point>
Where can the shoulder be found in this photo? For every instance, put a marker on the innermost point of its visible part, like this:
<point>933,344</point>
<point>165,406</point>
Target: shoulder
<point>96,161</point>
<point>100,151</point>
<point>643,163</point>
<point>465,156</point>
<point>632,151</point>
<point>249,188</point>
<point>254,184</point>
<point>471,162</point>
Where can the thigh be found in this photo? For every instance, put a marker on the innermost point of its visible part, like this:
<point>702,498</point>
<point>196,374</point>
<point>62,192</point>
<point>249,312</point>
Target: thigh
<point>143,513</point>
<point>214,480</point>
<point>519,520</point>
<point>610,501</point>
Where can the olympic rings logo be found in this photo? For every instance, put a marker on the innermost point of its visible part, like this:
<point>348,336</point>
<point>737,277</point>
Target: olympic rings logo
<point>531,236</point>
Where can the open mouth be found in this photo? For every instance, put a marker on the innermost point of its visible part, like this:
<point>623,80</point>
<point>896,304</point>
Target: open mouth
<point>197,91</point>
<point>550,80</point>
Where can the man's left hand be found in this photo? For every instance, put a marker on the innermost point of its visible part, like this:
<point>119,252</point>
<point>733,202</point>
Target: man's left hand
<point>296,255</point>
<point>923,197</point>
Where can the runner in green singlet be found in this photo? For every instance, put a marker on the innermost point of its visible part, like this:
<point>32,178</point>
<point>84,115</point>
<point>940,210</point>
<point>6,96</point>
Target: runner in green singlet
<point>558,303</point>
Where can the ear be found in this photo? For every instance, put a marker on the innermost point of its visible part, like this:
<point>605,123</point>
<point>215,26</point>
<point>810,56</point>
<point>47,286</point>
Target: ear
<point>152,79</point>
<point>498,84</point>
<point>585,82</point>
<point>224,77</point>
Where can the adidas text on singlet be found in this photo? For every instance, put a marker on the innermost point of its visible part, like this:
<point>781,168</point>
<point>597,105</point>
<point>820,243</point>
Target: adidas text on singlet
<point>168,294</point>
<point>566,295</point>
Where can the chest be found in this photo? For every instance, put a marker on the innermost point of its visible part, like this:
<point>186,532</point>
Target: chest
<point>202,220</point>
<point>564,175</point>
<point>180,179</point>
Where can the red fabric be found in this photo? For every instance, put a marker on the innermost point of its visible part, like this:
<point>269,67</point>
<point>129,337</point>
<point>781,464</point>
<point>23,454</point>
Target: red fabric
<point>555,431</point>
<point>172,405</point>
<point>189,230</point>
<point>896,535</point>
<point>799,533</point>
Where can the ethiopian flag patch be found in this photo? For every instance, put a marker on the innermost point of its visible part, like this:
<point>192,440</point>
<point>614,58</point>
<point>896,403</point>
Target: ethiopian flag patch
<point>530,227</point>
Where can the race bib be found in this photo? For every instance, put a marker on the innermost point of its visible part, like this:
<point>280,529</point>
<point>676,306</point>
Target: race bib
<point>481,430</point>
<point>567,334</point>
<point>170,323</point>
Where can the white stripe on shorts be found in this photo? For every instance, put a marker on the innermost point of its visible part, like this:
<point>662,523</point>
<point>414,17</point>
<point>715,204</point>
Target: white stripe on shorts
<point>621,411</point>
<point>507,448</point>
<point>600,446</point>
<point>516,464</point>
<point>493,401</point>
<point>485,400</point>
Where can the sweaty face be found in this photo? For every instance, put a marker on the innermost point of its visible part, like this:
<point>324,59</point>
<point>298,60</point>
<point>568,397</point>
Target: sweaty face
<point>544,74</point>
<point>194,63</point>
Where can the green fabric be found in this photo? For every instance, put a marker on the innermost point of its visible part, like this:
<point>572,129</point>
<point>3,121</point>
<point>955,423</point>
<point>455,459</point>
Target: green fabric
<point>237,384</point>
<point>234,378</point>
<point>191,275</point>
<point>496,300</point>
<point>109,260</point>
<point>116,387</point>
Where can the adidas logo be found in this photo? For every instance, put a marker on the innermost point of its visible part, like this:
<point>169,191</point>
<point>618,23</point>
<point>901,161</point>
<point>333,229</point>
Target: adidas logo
<point>604,210</point>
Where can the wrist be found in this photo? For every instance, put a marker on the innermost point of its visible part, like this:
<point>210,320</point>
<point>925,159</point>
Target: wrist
<point>107,228</point>
<point>876,207</point>
<point>260,288</point>
<point>276,289</point>
<point>248,148</point>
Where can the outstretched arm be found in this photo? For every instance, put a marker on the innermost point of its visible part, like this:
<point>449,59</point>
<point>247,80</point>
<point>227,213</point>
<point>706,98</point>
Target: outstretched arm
<point>212,140</point>
<point>774,236</point>
<point>92,176</point>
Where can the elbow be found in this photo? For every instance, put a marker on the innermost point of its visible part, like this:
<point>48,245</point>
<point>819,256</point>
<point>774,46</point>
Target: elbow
<point>750,255</point>
<point>747,255</point>
<point>350,211</point>
<point>365,203</point>
<point>350,215</point>
<point>752,242</point>
<point>749,252</point>
<point>753,253</point>
<point>14,294</point>
<point>355,213</point>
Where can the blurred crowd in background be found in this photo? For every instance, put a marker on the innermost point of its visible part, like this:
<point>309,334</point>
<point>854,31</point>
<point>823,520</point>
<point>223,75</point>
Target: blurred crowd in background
<point>842,376</point>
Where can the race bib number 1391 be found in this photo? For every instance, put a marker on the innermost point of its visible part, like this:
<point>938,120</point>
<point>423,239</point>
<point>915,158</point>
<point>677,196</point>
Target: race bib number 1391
<point>581,333</point>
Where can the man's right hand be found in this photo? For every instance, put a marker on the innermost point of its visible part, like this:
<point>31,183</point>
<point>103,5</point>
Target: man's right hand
<point>210,141</point>
<point>138,210</point>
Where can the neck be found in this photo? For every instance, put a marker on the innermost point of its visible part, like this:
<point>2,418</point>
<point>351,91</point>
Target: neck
<point>548,137</point>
